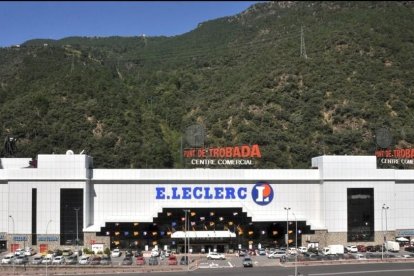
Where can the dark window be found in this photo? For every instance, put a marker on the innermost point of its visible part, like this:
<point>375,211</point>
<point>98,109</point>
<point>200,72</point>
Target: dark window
<point>360,214</point>
<point>71,216</point>
<point>34,216</point>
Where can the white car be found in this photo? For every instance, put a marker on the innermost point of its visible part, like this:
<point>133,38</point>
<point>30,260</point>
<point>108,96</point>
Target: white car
<point>47,260</point>
<point>303,249</point>
<point>84,260</point>
<point>58,260</point>
<point>116,253</point>
<point>29,251</point>
<point>155,253</point>
<point>215,256</point>
<point>19,252</point>
<point>7,259</point>
<point>352,249</point>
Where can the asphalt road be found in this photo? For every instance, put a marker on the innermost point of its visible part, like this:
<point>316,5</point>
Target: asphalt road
<point>386,269</point>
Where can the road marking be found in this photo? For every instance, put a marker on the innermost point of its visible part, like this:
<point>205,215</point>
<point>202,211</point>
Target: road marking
<point>230,264</point>
<point>360,272</point>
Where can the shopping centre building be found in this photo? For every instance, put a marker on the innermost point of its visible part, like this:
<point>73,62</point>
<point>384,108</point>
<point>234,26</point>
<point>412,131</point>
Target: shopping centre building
<point>340,200</point>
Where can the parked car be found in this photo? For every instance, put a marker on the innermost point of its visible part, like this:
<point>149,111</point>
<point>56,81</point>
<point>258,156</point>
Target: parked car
<point>277,254</point>
<point>247,262</point>
<point>172,260</point>
<point>73,259</point>
<point>19,252</point>
<point>215,256</point>
<point>127,261</point>
<point>84,260</point>
<point>8,259</point>
<point>22,259</point>
<point>262,252</point>
<point>116,253</point>
<point>129,253</point>
<point>302,249</point>
<point>106,260</point>
<point>242,253</point>
<point>153,260</point>
<point>47,260</point>
<point>67,252</point>
<point>361,248</point>
<point>140,260</point>
<point>138,253</point>
<point>95,260</point>
<point>58,260</point>
<point>155,253</point>
<point>351,249</point>
<point>57,252</point>
<point>37,259</point>
<point>184,260</point>
<point>29,251</point>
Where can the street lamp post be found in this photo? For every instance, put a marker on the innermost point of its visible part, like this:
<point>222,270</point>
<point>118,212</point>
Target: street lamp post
<point>385,208</point>
<point>287,228</point>
<point>47,226</point>
<point>296,244</point>
<point>10,216</point>
<point>382,230</point>
<point>185,239</point>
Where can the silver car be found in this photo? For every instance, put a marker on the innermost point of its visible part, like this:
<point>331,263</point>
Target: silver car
<point>37,260</point>
<point>22,259</point>
<point>277,254</point>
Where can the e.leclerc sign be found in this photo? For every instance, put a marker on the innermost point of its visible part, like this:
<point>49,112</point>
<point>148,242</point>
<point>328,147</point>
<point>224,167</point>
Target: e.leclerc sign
<point>261,193</point>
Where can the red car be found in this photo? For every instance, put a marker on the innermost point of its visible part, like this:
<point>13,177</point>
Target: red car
<point>172,260</point>
<point>361,248</point>
<point>140,260</point>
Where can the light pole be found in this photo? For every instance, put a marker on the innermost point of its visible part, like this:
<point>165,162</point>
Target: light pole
<point>382,230</point>
<point>77,233</point>
<point>10,216</point>
<point>385,208</point>
<point>47,226</point>
<point>296,244</point>
<point>287,228</point>
<point>185,239</point>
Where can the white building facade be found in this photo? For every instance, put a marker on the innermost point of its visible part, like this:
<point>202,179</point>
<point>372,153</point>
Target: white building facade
<point>342,199</point>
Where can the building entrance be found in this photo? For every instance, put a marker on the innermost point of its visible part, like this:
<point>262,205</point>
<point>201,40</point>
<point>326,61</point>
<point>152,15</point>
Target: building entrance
<point>3,245</point>
<point>247,234</point>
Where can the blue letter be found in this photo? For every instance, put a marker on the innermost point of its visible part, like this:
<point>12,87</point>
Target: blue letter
<point>219,193</point>
<point>160,193</point>
<point>230,193</point>
<point>186,192</point>
<point>175,195</point>
<point>207,194</point>
<point>197,192</point>
<point>242,193</point>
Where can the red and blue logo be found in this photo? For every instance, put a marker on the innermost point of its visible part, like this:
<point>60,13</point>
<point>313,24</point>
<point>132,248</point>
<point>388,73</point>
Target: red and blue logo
<point>262,193</point>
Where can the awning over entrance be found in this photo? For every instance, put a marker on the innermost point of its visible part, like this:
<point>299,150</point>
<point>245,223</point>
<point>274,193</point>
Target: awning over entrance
<point>203,234</point>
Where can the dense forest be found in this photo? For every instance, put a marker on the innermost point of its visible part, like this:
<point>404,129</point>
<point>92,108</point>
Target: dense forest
<point>300,79</point>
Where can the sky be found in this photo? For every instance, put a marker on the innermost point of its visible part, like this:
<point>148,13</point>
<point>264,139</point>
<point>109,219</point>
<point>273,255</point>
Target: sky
<point>24,20</point>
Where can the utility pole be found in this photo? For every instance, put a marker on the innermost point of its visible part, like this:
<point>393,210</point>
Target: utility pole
<point>287,228</point>
<point>10,216</point>
<point>302,44</point>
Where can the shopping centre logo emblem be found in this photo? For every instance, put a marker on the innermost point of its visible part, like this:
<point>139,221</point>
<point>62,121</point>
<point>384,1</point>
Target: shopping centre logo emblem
<point>262,193</point>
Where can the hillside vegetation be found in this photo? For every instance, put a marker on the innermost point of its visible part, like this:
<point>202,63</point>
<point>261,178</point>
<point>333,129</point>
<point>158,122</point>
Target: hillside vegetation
<point>129,100</point>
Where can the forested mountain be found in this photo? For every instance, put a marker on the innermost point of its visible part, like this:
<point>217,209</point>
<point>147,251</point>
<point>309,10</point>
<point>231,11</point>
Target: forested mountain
<point>128,100</point>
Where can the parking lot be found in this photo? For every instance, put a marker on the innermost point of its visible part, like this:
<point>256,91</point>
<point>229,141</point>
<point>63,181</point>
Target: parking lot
<point>196,261</point>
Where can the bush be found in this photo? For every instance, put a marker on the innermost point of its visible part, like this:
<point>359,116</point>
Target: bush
<point>107,251</point>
